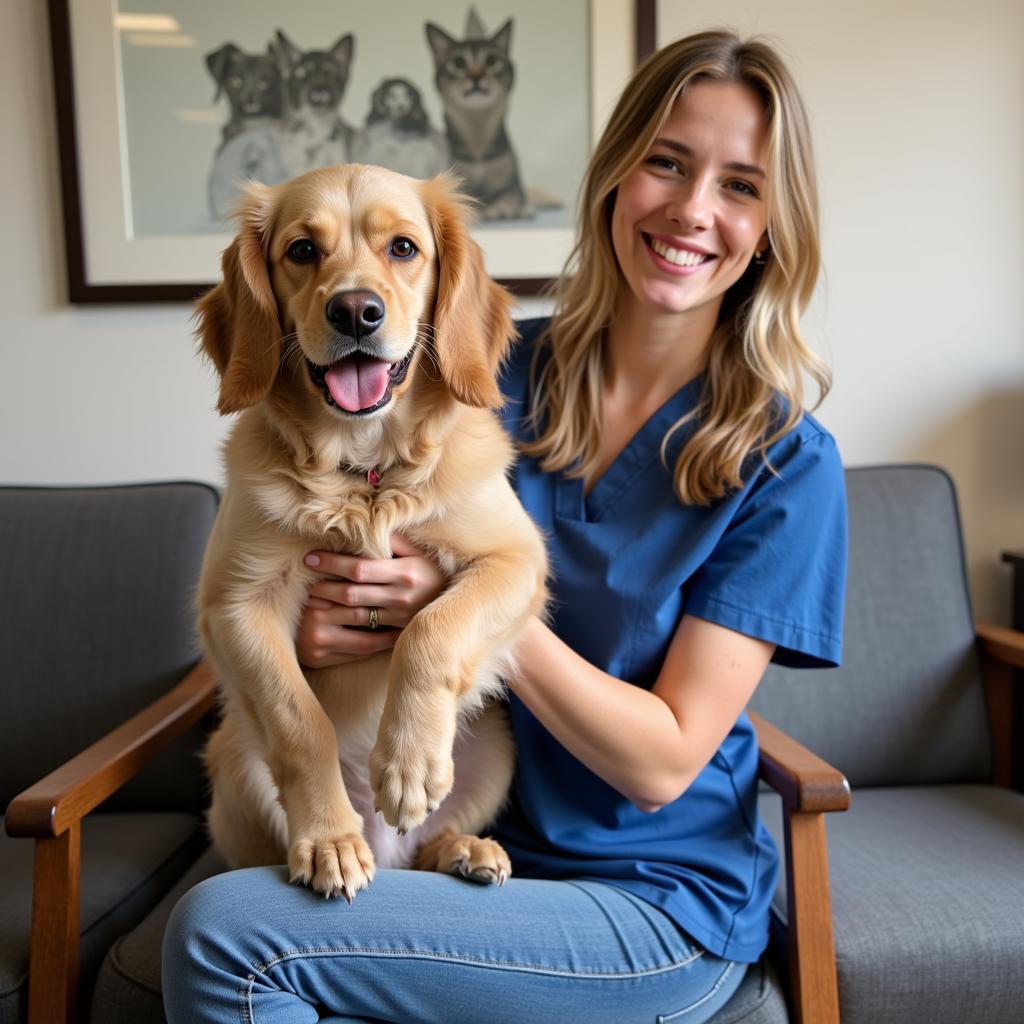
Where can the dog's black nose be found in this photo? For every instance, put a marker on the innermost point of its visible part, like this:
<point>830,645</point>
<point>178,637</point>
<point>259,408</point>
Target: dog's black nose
<point>356,313</point>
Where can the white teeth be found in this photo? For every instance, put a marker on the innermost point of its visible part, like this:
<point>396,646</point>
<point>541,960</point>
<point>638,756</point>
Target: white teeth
<point>677,257</point>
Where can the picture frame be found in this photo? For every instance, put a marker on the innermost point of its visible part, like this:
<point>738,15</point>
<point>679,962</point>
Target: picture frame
<point>138,226</point>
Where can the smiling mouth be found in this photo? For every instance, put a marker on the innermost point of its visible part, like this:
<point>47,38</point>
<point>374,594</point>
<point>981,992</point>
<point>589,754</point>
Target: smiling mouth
<point>359,383</point>
<point>677,257</point>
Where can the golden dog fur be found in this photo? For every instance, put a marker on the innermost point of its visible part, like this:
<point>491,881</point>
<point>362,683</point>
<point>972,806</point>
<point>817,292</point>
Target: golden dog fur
<point>302,756</point>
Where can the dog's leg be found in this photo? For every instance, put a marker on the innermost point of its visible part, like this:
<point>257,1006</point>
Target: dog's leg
<point>246,820</point>
<point>484,764</point>
<point>436,664</point>
<point>252,648</point>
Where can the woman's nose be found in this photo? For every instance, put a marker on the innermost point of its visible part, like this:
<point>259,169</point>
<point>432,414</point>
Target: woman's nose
<point>692,205</point>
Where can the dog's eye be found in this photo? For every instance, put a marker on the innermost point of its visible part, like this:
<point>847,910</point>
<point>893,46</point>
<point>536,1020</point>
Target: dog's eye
<point>302,251</point>
<point>403,248</point>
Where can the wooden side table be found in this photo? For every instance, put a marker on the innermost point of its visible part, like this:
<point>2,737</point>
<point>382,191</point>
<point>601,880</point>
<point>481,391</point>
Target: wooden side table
<point>1016,559</point>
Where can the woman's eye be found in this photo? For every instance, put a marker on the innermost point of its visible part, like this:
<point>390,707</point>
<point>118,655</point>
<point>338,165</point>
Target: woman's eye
<point>743,187</point>
<point>402,249</point>
<point>665,163</point>
<point>302,251</point>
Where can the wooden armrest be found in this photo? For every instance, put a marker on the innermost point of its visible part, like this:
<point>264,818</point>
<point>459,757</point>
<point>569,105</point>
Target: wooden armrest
<point>1000,643</point>
<point>805,781</point>
<point>71,791</point>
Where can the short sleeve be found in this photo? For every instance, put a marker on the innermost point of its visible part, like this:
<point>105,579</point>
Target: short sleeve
<point>778,572</point>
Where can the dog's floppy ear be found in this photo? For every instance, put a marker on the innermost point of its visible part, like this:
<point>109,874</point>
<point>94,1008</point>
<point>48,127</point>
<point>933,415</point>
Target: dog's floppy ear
<point>239,327</point>
<point>472,325</point>
<point>217,62</point>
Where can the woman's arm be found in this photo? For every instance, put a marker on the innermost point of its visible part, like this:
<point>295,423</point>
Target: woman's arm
<point>648,745</point>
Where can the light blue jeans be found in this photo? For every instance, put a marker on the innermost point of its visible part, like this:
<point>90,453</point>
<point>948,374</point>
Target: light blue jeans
<point>418,947</point>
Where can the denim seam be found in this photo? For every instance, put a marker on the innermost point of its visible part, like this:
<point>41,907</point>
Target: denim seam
<point>463,958</point>
<point>703,999</point>
<point>245,992</point>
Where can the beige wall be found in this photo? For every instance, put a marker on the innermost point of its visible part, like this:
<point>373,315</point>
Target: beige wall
<point>918,110</point>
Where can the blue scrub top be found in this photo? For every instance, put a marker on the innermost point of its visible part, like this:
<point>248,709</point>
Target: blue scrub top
<point>629,560</point>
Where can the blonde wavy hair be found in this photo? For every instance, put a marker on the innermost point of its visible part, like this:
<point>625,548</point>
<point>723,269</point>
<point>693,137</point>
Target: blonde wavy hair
<point>756,356</point>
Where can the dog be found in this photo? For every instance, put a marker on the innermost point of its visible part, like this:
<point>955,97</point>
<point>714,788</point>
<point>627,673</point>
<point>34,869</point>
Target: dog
<point>314,133</point>
<point>253,86</point>
<point>358,335</point>
<point>398,133</point>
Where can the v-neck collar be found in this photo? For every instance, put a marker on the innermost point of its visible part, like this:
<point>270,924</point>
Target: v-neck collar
<point>643,449</point>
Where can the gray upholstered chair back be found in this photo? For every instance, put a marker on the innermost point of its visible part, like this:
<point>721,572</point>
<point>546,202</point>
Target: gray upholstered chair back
<point>906,706</point>
<point>96,621</point>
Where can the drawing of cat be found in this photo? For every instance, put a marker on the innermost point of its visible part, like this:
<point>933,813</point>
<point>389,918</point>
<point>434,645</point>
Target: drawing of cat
<point>475,77</point>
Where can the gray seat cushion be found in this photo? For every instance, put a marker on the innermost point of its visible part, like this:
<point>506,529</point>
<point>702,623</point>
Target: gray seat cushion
<point>128,989</point>
<point>927,904</point>
<point>128,862</point>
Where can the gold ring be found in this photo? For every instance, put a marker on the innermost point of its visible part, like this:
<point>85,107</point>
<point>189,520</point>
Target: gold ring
<point>374,618</point>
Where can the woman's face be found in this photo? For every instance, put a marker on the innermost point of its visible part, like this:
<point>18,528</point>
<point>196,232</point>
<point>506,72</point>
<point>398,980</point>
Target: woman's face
<point>689,218</point>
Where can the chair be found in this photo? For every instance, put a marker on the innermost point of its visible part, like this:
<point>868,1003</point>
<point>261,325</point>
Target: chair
<point>97,625</point>
<point>927,867</point>
<point>904,716</point>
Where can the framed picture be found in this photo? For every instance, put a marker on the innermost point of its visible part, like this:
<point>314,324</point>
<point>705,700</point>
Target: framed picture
<point>165,106</point>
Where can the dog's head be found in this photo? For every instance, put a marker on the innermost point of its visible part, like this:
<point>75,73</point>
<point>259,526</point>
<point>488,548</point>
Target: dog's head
<point>346,289</point>
<point>316,78</point>
<point>251,81</point>
<point>399,103</point>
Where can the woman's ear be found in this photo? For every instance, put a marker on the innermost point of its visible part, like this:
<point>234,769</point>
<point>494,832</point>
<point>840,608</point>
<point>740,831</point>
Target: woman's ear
<point>238,323</point>
<point>472,325</point>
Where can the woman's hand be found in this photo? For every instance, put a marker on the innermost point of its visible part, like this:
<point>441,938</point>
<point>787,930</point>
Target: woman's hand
<point>394,588</point>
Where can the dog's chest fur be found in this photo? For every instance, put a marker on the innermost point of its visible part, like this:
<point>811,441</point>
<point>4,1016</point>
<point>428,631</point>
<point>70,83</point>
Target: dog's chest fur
<point>345,514</point>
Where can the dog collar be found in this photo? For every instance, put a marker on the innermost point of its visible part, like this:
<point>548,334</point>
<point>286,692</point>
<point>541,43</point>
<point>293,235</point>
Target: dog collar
<point>373,475</point>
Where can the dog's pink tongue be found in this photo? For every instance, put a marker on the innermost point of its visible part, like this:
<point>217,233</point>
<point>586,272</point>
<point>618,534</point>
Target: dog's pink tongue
<point>357,382</point>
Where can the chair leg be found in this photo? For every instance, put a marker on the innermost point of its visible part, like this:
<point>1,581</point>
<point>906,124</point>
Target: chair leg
<point>814,990</point>
<point>53,968</point>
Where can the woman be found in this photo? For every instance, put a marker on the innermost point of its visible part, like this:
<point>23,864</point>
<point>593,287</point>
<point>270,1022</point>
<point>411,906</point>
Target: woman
<point>696,524</point>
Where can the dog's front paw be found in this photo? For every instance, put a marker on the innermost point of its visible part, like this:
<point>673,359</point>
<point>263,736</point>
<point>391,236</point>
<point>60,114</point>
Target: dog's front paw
<point>335,865</point>
<point>410,776</point>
